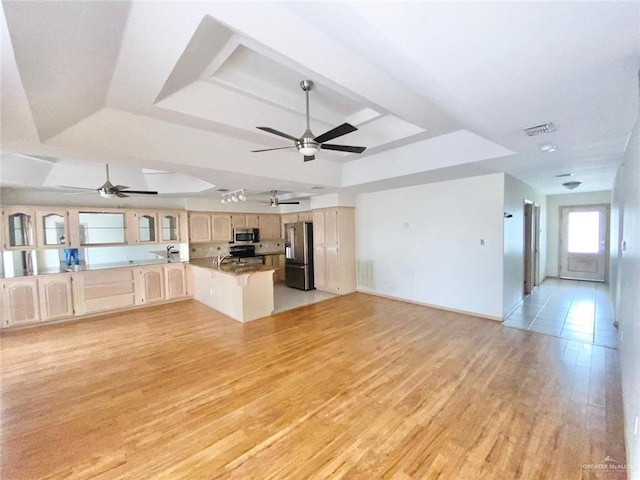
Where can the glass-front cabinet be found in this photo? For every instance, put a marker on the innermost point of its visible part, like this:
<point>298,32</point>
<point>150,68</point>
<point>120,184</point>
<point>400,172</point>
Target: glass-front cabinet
<point>147,227</point>
<point>102,228</point>
<point>52,228</point>
<point>170,227</point>
<point>18,227</point>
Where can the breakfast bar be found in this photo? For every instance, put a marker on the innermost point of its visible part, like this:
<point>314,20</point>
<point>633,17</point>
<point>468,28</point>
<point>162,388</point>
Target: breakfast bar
<point>244,292</point>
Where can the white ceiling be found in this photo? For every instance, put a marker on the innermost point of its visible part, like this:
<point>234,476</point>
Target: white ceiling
<point>437,90</point>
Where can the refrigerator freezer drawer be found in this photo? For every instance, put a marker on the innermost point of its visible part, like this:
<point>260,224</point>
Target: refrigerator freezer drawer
<point>299,276</point>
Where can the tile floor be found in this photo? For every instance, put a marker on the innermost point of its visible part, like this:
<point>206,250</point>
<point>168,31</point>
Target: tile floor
<point>570,309</point>
<point>286,298</point>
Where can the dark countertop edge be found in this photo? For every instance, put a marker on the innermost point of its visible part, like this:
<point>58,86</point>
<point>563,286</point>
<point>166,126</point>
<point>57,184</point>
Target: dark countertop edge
<point>91,268</point>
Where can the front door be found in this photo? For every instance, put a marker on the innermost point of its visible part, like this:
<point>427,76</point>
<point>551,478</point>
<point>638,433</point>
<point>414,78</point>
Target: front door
<point>583,242</point>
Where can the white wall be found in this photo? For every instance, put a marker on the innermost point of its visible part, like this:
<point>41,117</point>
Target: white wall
<point>515,193</point>
<point>424,243</point>
<point>626,255</point>
<point>554,202</point>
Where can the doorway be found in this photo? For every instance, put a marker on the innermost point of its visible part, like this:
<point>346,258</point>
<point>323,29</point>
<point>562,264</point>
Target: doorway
<point>531,246</point>
<point>584,237</point>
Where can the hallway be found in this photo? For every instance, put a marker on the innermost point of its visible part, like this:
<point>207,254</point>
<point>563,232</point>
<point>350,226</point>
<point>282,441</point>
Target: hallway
<point>571,309</point>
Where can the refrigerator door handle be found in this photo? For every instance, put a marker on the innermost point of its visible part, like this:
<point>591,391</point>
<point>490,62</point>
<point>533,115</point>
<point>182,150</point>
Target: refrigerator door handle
<point>295,266</point>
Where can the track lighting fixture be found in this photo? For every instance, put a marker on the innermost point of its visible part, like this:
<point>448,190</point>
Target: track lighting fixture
<point>233,197</point>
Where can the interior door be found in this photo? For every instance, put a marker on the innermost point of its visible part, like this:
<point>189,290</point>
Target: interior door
<point>583,242</point>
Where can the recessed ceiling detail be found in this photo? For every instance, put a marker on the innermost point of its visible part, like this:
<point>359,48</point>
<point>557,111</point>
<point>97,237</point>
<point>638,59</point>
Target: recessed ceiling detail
<point>541,129</point>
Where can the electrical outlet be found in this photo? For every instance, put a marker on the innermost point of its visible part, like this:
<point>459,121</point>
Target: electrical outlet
<point>211,291</point>
<point>635,426</point>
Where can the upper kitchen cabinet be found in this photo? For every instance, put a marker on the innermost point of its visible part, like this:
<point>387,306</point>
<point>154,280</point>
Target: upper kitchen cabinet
<point>252,221</point>
<point>18,228</point>
<point>143,227</point>
<point>102,228</point>
<point>221,227</point>
<point>173,227</point>
<point>52,228</point>
<point>269,226</point>
<point>238,221</point>
<point>304,216</point>
<point>200,227</point>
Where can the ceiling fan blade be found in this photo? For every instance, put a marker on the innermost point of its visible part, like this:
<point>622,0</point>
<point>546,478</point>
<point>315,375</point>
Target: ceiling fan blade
<point>77,188</point>
<point>269,149</point>
<point>309,157</point>
<point>288,203</point>
<point>276,132</point>
<point>336,132</point>
<point>121,195</point>
<point>120,187</point>
<point>342,148</point>
<point>141,192</point>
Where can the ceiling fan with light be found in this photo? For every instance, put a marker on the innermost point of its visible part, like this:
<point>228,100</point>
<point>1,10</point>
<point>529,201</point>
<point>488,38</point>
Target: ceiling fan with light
<point>274,202</point>
<point>308,144</point>
<point>108,190</point>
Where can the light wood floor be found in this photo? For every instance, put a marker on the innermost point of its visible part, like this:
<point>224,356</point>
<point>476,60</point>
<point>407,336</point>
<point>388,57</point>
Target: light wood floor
<point>352,387</point>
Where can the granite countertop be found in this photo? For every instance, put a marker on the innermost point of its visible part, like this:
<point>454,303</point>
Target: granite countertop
<point>278,252</point>
<point>90,268</point>
<point>231,269</point>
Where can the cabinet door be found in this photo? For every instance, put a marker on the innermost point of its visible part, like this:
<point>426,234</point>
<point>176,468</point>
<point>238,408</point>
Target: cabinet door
<point>199,227</point>
<point>238,221</point>
<point>274,226</point>
<point>252,221</point>
<point>304,216</point>
<point>175,281</point>
<point>22,301</point>
<point>169,226</point>
<point>56,299</point>
<point>332,269</point>
<point>331,226</point>
<point>263,225</point>
<point>152,285</point>
<point>52,228</point>
<point>147,227</point>
<point>319,267</point>
<point>318,227</point>
<point>18,227</point>
<point>221,228</point>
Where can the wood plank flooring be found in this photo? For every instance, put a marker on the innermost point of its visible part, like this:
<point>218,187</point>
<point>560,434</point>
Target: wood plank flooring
<point>356,387</point>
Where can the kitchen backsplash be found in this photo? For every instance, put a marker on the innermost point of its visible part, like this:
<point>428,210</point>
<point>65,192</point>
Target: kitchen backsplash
<point>204,250</point>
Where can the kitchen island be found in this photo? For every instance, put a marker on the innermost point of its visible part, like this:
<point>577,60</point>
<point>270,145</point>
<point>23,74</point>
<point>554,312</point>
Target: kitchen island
<point>243,292</point>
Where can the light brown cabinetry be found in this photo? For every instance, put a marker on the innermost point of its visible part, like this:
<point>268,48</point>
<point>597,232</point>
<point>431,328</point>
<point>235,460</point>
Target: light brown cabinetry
<point>56,298</point>
<point>269,227</point>
<point>173,226</point>
<point>175,281</point>
<point>52,228</point>
<point>20,298</point>
<point>221,227</point>
<point>151,288</point>
<point>18,227</point>
<point>293,218</point>
<point>103,290</point>
<point>252,221</point>
<point>143,227</point>
<point>238,221</point>
<point>200,227</point>
<point>334,249</point>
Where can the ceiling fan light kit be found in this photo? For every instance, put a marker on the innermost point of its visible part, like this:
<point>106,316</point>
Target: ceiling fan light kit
<point>571,185</point>
<point>308,144</point>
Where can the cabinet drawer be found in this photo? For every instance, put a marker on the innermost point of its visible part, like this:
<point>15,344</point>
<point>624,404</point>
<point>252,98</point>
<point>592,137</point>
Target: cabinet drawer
<point>108,276</point>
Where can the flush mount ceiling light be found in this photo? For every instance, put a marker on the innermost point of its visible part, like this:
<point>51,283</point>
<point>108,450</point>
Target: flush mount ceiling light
<point>234,197</point>
<point>571,185</point>
<point>548,148</point>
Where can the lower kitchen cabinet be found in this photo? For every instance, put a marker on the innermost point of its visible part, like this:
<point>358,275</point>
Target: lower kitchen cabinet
<point>150,285</point>
<point>175,281</point>
<point>56,298</point>
<point>104,290</point>
<point>20,299</point>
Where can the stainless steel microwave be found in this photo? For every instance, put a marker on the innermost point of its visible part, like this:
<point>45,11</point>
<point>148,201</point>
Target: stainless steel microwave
<point>246,235</point>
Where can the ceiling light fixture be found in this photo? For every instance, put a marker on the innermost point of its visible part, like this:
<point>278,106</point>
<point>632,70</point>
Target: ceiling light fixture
<point>571,185</point>
<point>548,148</point>
<point>560,175</point>
<point>233,197</point>
<point>541,129</point>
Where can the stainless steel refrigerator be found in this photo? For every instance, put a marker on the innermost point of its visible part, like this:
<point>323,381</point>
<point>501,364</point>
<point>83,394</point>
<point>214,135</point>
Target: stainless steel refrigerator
<point>298,268</point>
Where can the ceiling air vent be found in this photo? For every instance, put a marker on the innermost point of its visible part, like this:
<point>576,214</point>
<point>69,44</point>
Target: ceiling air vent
<point>541,129</point>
